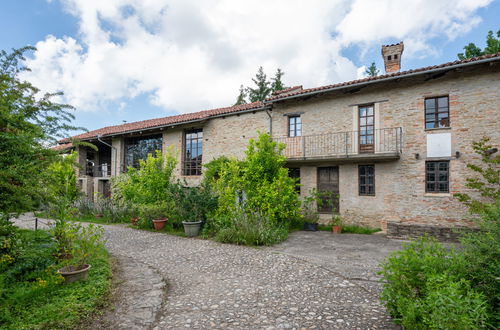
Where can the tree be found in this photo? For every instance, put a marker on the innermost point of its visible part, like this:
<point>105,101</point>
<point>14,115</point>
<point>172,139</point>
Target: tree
<point>277,84</point>
<point>492,47</point>
<point>28,123</point>
<point>372,70</point>
<point>263,88</point>
<point>241,97</point>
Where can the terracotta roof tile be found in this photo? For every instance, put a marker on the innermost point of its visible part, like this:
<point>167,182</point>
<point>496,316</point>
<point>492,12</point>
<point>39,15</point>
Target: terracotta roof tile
<point>158,122</point>
<point>375,79</point>
<point>62,146</point>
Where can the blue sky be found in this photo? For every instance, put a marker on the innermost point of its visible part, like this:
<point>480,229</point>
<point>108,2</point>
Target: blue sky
<point>129,60</point>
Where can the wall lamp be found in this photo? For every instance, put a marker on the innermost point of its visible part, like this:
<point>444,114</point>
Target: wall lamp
<point>457,154</point>
<point>417,155</point>
<point>491,151</point>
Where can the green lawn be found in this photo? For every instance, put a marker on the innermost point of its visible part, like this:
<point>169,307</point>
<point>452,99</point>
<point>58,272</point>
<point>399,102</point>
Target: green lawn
<point>29,297</point>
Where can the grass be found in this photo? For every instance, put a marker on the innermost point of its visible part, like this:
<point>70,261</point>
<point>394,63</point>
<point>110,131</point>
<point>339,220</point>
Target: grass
<point>29,299</point>
<point>351,229</point>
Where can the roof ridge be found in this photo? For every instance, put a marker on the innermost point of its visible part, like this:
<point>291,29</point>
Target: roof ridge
<point>162,121</point>
<point>387,75</point>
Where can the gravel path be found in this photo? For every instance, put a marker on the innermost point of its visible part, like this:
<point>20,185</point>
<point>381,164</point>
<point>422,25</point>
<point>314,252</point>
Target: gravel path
<point>212,285</point>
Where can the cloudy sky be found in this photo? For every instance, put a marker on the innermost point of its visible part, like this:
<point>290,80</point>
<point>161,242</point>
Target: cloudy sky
<point>128,60</point>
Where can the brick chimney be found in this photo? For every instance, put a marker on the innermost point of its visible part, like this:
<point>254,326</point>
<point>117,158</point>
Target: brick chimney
<point>392,57</point>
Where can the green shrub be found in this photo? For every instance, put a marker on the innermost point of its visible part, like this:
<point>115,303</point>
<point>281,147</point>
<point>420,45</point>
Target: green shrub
<point>257,201</point>
<point>148,184</point>
<point>251,229</point>
<point>150,212</point>
<point>32,295</point>
<point>194,203</point>
<point>9,242</point>
<point>453,304</point>
<point>406,274</point>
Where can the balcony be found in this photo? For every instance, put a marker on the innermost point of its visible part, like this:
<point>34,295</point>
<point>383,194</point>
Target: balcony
<point>372,145</point>
<point>99,171</point>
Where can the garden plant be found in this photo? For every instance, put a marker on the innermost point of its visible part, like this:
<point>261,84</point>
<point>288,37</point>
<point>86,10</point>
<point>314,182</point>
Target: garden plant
<point>431,286</point>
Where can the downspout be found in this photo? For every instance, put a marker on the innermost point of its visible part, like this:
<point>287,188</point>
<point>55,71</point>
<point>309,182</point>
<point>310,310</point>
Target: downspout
<point>112,148</point>
<point>270,123</point>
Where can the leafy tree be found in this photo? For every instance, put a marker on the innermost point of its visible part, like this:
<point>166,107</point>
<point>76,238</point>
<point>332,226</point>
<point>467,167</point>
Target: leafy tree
<point>372,70</point>
<point>28,123</point>
<point>242,96</point>
<point>492,47</point>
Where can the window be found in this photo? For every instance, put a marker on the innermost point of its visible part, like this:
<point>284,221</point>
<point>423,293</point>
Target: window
<point>193,142</point>
<point>437,176</point>
<point>366,180</point>
<point>294,173</point>
<point>366,128</point>
<point>294,126</point>
<point>437,112</point>
<point>139,147</point>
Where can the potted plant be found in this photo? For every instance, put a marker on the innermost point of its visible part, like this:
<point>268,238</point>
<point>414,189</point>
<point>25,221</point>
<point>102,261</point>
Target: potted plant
<point>336,224</point>
<point>193,205</point>
<point>155,214</point>
<point>310,211</point>
<point>86,242</point>
<point>134,215</point>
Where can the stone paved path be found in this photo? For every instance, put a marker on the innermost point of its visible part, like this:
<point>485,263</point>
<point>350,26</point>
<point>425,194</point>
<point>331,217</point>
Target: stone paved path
<point>212,285</point>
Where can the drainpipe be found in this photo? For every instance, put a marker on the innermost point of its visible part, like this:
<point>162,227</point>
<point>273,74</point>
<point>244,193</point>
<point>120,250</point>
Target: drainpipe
<point>270,123</point>
<point>112,148</point>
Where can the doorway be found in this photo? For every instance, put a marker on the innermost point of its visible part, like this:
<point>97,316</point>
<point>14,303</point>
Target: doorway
<point>328,188</point>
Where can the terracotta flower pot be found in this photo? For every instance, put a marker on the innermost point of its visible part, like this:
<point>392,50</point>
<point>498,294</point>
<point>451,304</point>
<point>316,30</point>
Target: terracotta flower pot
<point>74,273</point>
<point>159,223</point>
<point>134,220</point>
<point>99,215</point>
<point>337,229</point>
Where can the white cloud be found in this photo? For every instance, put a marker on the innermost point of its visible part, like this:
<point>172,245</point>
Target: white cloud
<point>371,22</point>
<point>191,55</point>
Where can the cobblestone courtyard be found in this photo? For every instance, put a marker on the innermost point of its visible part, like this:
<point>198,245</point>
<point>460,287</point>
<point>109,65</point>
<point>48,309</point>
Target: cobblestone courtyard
<point>314,280</point>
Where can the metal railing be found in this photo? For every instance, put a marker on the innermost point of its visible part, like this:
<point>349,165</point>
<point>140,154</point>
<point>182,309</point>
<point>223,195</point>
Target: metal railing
<point>102,170</point>
<point>343,144</point>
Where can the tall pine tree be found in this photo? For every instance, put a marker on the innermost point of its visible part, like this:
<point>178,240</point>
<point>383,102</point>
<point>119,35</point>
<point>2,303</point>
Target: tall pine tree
<point>263,88</point>
<point>277,84</point>
<point>242,96</point>
<point>372,70</point>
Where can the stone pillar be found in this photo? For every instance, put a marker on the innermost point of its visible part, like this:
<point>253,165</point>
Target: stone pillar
<point>82,160</point>
<point>117,156</point>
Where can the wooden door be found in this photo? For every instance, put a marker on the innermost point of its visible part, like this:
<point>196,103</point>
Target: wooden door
<point>328,188</point>
<point>366,128</point>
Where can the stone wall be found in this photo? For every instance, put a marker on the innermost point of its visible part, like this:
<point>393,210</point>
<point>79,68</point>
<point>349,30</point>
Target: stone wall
<point>411,231</point>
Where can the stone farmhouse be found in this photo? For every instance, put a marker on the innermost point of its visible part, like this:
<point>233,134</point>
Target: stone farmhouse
<point>391,149</point>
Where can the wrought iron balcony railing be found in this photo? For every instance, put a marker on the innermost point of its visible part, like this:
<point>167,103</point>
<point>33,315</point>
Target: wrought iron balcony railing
<point>102,170</point>
<point>368,143</point>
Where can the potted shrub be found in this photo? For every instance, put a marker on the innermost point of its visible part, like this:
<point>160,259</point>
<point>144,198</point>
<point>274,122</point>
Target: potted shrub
<point>336,224</point>
<point>155,214</point>
<point>310,211</point>
<point>193,205</point>
<point>86,242</point>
